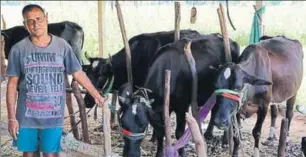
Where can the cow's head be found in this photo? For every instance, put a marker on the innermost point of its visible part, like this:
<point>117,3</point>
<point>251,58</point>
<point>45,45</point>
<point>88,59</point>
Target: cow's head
<point>99,71</point>
<point>133,118</point>
<point>229,87</point>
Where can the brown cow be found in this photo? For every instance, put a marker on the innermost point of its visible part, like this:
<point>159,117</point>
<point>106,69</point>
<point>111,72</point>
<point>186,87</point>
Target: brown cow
<point>273,68</point>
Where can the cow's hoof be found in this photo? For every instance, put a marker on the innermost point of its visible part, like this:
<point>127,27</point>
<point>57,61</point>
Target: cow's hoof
<point>182,153</point>
<point>272,138</point>
<point>159,154</point>
<point>269,143</point>
<point>225,146</point>
<point>208,136</point>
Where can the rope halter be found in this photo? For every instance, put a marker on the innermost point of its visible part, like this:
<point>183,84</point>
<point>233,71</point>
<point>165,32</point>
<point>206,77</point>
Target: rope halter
<point>227,93</point>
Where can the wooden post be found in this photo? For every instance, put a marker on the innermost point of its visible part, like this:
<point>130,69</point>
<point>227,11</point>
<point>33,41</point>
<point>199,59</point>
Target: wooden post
<point>166,108</point>
<point>2,61</point>
<point>228,58</point>
<point>73,123</point>
<point>194,89</point>
<point>126,44</point>
<point>177,9</point>
<point>77,93</point>
<point>113,115</point>
<point>196,136</point>
<point>107,130</point>
<point>224,33</point>
<point>258,6</point>
<point>282,138</point>
<point>100,26</point>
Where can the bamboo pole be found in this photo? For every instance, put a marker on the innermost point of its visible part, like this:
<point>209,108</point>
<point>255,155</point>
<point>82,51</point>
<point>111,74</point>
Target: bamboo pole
<point>194,89</point>
<point>196,136</point>
<point>258,6</point>
<point>73,123</point>
<point>100,26</point>
<point>166,108</point>
<point>228,58</point>
<point>177,9</point>
<point>2,61</point>
<point>80,100</point>
<point>113,115</point>
<point>126,44</point>
<point>224,33</point>
<point>107,130</point>
<point>282,138</point>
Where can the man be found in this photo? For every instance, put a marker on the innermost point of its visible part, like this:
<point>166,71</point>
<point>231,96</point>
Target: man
<point>36,69</point>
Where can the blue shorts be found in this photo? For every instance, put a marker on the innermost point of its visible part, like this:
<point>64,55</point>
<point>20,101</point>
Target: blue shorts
<point>45,140</point>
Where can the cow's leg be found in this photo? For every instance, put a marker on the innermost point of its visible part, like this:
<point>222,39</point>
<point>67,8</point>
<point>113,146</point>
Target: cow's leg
<point>236,146</point>
<point>159,133</point>
<point>225,139</point>
<point>289,112</point>
<point>180,129</point>
<point>261,115</point>
<point>303,145</point>
<point>160,147</point>
<point>209,132</point>
<point>273,111</point>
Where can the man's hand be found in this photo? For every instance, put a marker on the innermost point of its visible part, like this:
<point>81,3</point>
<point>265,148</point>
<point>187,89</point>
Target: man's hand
<point>13,128</point>
<point>99,100</point>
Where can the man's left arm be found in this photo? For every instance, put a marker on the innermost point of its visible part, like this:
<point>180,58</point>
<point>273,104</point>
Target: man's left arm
<point>83,80</point>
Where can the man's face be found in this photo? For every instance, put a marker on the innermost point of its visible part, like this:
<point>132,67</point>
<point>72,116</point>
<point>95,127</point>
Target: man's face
<point>36,22</point>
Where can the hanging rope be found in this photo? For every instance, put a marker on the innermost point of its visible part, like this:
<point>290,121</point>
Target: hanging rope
<point>255,31</point>
<point>228,16</point>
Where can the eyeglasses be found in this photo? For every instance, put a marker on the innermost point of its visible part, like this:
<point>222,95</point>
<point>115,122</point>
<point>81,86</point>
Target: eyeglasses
<point>36,20</point>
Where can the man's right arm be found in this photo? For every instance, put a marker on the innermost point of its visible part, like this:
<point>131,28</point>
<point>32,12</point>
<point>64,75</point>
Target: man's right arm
<point>11,96</point>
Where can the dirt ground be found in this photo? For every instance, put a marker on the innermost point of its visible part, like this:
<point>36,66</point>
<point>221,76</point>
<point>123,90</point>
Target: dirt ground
<point>148,148</point>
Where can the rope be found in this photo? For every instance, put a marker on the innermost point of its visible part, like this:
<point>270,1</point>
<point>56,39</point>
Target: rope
<point>171,151</point>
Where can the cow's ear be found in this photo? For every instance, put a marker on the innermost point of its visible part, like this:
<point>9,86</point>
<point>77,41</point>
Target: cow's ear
<point>253,80</point>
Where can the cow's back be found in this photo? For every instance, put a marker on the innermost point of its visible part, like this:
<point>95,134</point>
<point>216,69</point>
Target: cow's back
<point>286,57</point>
<point>207,50</point>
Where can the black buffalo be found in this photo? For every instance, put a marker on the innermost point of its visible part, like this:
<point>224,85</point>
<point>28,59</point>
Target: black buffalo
<point>69,31</point>
<point>273,70</point>
<point>207,50</point>
<point>143,48</point>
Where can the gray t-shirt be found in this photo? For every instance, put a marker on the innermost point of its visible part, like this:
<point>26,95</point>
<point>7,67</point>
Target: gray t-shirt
<point>41,87</point>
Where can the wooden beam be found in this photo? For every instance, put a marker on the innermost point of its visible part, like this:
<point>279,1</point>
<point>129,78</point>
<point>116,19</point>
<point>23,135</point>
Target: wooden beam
<point>258,6</point>
<point>107,130</point>
<point>100,26</point>
<point>113,114</point>
<point>282,138</point>
<point>177,9</point>
<point>224,33</point>
<point>77,93</point>
<point>126,44</point>
<point>166,108</point>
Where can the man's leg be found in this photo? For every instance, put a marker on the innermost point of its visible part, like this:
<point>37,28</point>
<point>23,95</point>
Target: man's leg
<point>50,140</point>
<point>27,141</point>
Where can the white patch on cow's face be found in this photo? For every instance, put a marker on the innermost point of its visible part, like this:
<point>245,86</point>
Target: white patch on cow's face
<point>127,93</point>
<point>95,64</point>
<point>134,109</point>
<point>227,73</point>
